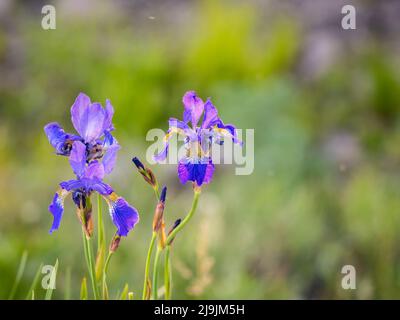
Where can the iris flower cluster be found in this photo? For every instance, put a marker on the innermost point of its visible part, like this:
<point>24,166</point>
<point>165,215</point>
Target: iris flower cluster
<point>197,165</point>
<point>92,155</point>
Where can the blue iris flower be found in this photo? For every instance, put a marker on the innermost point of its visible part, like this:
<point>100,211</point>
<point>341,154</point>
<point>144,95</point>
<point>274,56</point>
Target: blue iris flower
<point>197,165</point>
<point>92,155</point>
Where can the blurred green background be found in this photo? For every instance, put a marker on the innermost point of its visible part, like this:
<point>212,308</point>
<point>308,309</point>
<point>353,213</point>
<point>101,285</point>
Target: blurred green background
<point>324,103</point>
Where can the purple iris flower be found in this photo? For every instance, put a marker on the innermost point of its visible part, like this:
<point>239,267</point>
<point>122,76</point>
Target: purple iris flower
<point>93,124</point>
<point>92,155</point>
<point>197,165</point>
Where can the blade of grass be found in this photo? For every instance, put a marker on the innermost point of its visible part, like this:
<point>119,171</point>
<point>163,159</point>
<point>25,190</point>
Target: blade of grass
<point>84,292</point>
<point>49,291</point>
<point>124,294</point>
<point>20,272</point>
<point>34,282</point>
<point>104,285</point>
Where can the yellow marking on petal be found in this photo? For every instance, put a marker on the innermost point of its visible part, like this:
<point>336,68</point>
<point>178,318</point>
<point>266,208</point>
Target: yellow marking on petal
<point>113,197</point>
<point>173,130</point>
<point>222,131</point>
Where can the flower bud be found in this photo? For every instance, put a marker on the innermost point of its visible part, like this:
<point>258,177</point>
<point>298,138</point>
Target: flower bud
<point>162,238</point>
<point>174,226</point>
<point>115,243</point>
<point>147,174</point>
<point>158,219</point>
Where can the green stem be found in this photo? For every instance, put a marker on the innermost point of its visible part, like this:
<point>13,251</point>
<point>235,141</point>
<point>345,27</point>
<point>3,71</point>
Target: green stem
<point>147,267</point>
<point>105,289</point>
<point>89,259</point>
<point>155,274</point>
<point>187,218</point>
<point>157,193</point>
<point>100,226</point>
<point>167,266</point>
<point>167,274</point>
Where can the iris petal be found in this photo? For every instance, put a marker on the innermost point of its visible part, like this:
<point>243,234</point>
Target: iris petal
<point>210,115</point>
<point>201,173</point>
<point>77,159</point>
<point>193,108</point>
<point>57,208</point>
<point>92,122</point>
<point>101,187</point>
<point>122,214</point>
<point>180,128</point>
<point>109,115</point>
<point>229,130</point>
<point>94,171</point>
<point>78,110</point>
<point>59,139</point>
<point>110,157</point>
<point>70,185</point>
<point>162,155</point>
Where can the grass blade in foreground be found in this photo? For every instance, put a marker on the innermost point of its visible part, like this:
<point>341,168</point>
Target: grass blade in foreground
<point>84,292</point>
<point>31,291</point>
<point>20,272</point>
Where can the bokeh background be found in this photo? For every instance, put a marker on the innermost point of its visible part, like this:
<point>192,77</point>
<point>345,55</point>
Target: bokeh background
<point>324,103</point>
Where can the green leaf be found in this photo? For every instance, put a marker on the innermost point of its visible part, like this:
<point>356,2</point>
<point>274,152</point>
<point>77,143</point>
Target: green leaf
<point>99,263</point>
<point>124,294</point>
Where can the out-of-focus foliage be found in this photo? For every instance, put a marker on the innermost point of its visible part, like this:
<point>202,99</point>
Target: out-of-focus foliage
<point>324,104</point>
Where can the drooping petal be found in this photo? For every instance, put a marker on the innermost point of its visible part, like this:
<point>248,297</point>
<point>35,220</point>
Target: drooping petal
<point>181,128</point>
<point>178,127</point>
<point>70,185</point>
<point>78,110</point>
<point>198,172</point>
<point>194,107</point>
<point>59,139</point>
<point>77,159</point>
<point>226,131</point>
<point>122,214</point>
<point>101,187</point>
<point>56,208</point>
<point>162,155</point>
<point>210,115</point>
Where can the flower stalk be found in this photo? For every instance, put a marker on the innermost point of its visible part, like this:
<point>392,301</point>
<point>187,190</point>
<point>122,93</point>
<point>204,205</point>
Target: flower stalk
<point>155,273</point>
<point>167,273</point>
<point>147,284</point>
<point>189,216</point>
<point>90,263</point>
